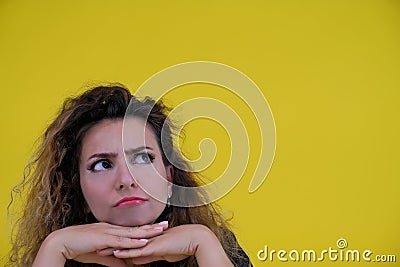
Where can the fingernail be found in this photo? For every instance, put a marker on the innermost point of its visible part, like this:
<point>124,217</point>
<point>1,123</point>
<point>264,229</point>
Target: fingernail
<point>117,251</point>
<point>163,223</point>
<point>158,228</point>
<point>144,240</point>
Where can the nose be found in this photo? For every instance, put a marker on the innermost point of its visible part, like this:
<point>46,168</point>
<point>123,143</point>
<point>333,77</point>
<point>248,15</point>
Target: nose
<point>124,178</point>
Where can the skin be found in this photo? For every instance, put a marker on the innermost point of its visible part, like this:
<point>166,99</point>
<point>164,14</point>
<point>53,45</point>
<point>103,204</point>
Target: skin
<point>106,178</point>
<point>126,235</point>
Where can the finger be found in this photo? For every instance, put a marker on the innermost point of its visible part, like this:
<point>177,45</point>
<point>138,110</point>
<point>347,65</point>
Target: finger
<point>149,226</point>
<point>164,224</point>
<point>105,252</point>
<point>146,231</point>
<point>144,227</point>
<point>119,242</point>
<point>131,253</point>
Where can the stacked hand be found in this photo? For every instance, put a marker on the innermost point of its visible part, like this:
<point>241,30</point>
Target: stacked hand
<point>112,245</point>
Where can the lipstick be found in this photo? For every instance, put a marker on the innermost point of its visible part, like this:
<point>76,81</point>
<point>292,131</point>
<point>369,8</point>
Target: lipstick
<point>129,201</point>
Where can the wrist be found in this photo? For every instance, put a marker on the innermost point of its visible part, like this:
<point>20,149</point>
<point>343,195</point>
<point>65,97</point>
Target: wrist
<point>50,252</point>
<point>209,250</point>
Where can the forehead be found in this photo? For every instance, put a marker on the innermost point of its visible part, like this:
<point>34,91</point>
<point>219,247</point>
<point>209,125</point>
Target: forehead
<point>117,134</point>
<point>137,132</point>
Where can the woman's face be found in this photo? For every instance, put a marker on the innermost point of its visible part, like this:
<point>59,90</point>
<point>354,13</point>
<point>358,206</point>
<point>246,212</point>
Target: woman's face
<point>111,192</point>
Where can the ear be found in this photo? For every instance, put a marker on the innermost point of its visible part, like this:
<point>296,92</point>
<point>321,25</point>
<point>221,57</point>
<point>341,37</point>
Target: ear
<point>170,173</point>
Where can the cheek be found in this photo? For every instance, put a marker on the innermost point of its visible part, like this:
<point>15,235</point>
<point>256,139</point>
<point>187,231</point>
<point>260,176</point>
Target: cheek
<point>153,180</point>
<point>92,188</point>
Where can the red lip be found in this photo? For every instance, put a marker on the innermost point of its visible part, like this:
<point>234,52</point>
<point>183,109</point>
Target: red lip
<point>128,201</point>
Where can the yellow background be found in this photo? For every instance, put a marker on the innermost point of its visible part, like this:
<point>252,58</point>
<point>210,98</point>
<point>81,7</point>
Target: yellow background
<point>329,70</point>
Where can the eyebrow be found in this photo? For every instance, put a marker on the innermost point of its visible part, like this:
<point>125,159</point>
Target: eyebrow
<point>103,155</point>
<point>113,155</point>
<point>136,150</point>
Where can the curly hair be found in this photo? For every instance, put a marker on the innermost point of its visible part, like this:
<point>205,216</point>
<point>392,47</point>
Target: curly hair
<point>54,199</point>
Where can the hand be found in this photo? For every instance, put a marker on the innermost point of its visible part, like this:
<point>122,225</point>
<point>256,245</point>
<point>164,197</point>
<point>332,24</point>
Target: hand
<point>85,242</point>
<point>178,243</point>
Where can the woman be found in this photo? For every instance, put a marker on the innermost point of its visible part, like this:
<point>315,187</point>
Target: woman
<point>86,206</point>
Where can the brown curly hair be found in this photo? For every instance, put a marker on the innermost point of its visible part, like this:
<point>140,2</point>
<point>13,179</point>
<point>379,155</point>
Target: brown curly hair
<point>51,179</point>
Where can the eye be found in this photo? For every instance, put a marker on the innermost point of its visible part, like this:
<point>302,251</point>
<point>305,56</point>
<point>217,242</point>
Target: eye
<point>100,165</point>
<point>143,158</point>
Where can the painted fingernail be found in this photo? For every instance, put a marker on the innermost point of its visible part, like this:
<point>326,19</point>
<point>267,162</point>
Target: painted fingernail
<point>163,223</point>
<point>117,251</point>
<point>144,240</point>
<point>158,228</point>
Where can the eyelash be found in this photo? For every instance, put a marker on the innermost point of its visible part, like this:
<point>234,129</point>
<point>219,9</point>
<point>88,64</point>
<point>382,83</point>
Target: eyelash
<point>151,156</point>
<point>91,168</point>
